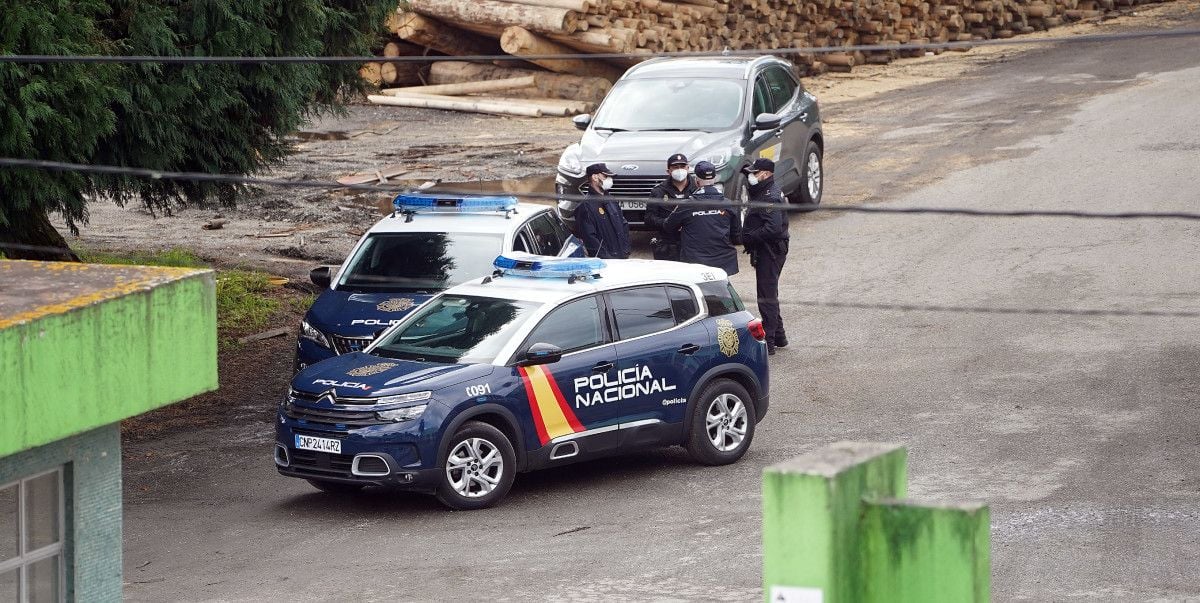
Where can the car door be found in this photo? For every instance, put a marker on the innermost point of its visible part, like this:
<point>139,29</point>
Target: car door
<point>661,348</point>
<point>566,398</point>
<point>762,143</point>
<point>787,101</point>
<point>550,237</point>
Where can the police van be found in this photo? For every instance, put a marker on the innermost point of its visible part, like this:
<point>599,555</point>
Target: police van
<point>546,362</point>
<point>427,244</point>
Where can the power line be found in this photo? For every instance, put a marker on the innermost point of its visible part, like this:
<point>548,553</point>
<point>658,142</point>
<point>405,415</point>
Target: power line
<point>813,50</point>
<point>330,185</point>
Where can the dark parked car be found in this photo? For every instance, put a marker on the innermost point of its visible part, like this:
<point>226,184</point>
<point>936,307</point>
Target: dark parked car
<point>724,110</point>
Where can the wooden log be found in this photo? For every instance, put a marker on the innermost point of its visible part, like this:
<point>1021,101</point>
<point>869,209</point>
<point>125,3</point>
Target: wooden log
<point>514,83</point>
<point>387,73</point>
<point>451,103</point>
<point>371,72</point>
<point>579,6</point>
<point>438,36</point>
<point>493,12</point>
<point>549,85</point>
<point>519,41</point>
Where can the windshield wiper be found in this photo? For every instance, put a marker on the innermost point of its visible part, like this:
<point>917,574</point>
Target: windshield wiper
<point>612,129</point>
<point>670,129</point>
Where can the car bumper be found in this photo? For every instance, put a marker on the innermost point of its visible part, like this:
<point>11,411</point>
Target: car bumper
<point>397,455</point>
<point>566,208</point>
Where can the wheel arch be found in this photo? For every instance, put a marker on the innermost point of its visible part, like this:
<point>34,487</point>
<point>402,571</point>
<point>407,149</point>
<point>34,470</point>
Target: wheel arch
<point>737,373</point>
<point>495,415</point>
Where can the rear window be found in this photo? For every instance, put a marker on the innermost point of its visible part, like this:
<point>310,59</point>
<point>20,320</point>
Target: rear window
<point>641,311</point>
<point>721,298</point>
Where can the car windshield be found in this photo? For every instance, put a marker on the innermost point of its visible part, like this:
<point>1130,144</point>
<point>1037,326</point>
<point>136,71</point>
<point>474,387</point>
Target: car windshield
<point>457,329</point>
<point>420,261</point>
<point>671,104</point>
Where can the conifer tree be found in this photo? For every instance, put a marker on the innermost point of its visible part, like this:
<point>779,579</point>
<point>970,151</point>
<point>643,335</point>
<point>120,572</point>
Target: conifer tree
<point>214,118</point>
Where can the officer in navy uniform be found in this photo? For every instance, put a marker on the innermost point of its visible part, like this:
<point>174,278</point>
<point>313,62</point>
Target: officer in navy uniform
<point>599,220</point>
<point>707,233</point>
<point>765,237</point>
<point>678,185</point>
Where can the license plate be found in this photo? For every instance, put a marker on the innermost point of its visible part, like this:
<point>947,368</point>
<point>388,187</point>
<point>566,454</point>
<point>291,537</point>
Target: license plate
<point>304,442</point>
<point>633,205</point>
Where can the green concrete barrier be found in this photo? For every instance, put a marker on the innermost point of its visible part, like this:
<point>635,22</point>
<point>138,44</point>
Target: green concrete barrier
<point>834,531</point>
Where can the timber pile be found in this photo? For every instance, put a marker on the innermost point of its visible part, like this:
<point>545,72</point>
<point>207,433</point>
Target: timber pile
<point>526,28</point>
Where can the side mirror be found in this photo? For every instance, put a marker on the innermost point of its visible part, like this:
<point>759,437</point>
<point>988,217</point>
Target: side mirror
<point>767,121</point>
<point>541,353</point>
<point>320,277</point>
<point>582,121</point>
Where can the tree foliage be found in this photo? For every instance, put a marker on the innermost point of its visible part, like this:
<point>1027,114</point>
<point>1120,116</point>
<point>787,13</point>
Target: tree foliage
<point>203,117</point>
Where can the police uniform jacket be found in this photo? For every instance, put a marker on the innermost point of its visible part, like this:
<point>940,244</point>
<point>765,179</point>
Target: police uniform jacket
<point>766,230</point>
<point>602,227</point>
<point>707,233</point>
<point>656,214</point>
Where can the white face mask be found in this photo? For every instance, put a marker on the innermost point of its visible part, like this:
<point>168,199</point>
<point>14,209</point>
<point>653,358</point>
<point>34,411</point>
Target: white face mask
<point>606,183</point>
<point>679,175</point>
<point>752,179</point>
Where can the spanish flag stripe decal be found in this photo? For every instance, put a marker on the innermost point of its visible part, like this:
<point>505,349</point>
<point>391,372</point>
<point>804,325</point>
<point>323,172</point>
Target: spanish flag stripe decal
<point>537,416</point>
<point>551,414</point>
<point>572,420</point>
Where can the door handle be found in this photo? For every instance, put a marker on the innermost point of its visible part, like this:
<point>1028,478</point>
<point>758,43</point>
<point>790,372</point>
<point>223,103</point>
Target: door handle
<point>602,367</point>
<point>804,116</point>
<point>688,349</point>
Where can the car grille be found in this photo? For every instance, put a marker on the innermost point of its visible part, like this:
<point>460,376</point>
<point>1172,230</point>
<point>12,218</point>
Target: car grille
<point>332,417</point>
<point>322,462</point>
<point>634,186</point>
<point>345,345</point>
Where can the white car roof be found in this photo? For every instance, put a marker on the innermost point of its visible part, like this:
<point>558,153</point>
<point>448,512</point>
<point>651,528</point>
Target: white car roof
<point>489,222</point>
<point>615,275</point>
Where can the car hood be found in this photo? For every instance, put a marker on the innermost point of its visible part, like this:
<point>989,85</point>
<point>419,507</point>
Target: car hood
<point>359,375</point>
<point>649,145</point>
<point>361,314</point>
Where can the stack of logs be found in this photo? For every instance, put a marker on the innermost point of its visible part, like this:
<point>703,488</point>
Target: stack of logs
<point>643,27</point>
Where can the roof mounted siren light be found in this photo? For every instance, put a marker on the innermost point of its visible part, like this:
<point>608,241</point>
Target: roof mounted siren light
<point>517,263</point>
<point>411,204</point>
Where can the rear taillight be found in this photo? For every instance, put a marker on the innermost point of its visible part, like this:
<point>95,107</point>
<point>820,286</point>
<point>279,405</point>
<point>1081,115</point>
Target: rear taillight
<point>756,330</point>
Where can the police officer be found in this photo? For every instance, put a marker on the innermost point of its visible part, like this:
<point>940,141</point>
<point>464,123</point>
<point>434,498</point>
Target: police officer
<point>678,185</point>
<point>765,237</point>
<point>599,220</point>
<point>706,232</point>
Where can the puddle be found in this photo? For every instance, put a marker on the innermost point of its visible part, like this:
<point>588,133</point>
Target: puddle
<point>508,186</point>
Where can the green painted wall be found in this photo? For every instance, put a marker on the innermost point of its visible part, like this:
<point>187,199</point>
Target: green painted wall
<point>64,373</point>
<point>926,553</point>
<point>92,495</point>
<point>833,533</point>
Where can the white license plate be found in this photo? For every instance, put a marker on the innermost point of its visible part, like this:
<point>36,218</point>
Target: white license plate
<point>633,205</point>
<point>330,445</point>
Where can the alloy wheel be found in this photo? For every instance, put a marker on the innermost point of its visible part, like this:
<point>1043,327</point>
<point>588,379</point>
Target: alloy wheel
<point>474,467</point>
<point>814,176</point>
<point>726,422</point>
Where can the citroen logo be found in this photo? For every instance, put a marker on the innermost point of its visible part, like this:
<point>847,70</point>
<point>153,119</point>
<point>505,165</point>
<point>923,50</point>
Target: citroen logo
<point>630,167</point>
<point>330,398</point>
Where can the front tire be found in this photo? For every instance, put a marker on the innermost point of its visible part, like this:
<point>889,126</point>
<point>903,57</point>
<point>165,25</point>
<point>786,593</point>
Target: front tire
<point>723,422</point>
<point>812,174</point>
<point>478,469</point>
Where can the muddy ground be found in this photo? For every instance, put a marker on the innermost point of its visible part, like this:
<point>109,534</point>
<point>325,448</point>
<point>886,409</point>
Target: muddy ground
<point>287,231</point>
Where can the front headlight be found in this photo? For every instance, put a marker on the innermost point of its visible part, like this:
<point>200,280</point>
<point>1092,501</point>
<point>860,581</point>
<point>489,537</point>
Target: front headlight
<point>311,333</point>
<point>402,398</point>
<point>721,158</point>
<point>571,161</point>
<point>399,415</point>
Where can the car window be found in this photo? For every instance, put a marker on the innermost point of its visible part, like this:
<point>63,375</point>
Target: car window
<point>684,103</point>
<point>683,303</point>
<point>781,86</point>
<point>721,298</point>
<point>762,97</point>
<point>521,242</point>
<point>546,239</point>
<point>419,261</point>
<point>457,329</point>
<point>641,311</point>
<point>573,326</point>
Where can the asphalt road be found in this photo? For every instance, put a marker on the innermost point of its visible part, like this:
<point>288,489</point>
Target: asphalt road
<point>1080,430</point>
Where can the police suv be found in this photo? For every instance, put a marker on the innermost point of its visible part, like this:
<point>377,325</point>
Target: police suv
<point>546,362</point>
<point>428,244</point>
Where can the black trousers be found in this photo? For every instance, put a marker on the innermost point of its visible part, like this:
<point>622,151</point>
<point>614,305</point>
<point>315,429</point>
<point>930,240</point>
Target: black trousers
<point>768,265</point>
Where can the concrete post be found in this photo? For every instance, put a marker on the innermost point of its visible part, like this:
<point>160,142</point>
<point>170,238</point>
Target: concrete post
<point>833,532</point>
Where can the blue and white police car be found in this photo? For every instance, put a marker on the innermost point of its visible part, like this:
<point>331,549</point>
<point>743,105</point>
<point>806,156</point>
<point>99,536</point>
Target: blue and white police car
<point>429,243</point>
<point>546,362</point>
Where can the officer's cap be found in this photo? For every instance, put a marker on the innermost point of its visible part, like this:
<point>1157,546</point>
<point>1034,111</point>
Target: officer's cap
<point>677,159</point>
<point>706,171</point>
<point>598,168</point>
<point>762,164</point>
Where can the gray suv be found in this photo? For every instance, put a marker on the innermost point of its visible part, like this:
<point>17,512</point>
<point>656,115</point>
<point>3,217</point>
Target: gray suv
<point>724,110</point>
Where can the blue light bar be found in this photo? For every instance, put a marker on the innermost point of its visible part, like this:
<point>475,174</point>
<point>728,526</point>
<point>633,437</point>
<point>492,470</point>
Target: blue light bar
<point>416,203</point>
<point>543,266</point>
